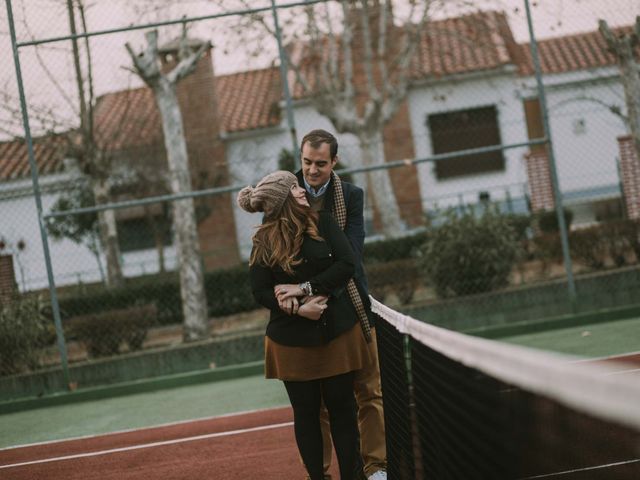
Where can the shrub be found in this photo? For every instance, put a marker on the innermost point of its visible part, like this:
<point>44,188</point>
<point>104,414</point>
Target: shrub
<point>548,220</point>
<point>470,254</point>
<point>22,334</point>
<point>397,276</point>
<point>548,247</point>
<point>623,236</point>
<point>393,249</point>
<point>103,333</point>
<point>588,246</point>
<point>227,292</point>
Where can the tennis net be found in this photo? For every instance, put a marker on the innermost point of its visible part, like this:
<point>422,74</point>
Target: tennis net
<point>462,407</point>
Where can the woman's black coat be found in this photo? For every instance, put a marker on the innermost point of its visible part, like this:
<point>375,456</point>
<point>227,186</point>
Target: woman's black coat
<point>328,265</point>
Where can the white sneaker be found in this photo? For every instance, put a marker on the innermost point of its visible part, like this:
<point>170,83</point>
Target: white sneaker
<point>379,475</point>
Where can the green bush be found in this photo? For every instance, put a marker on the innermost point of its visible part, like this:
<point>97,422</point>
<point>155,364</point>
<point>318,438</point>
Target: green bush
<point>470,254</point>
<point>614,240</point>
<point>227,292</point>
<point>103,333</point>
<point>588,246</point>
<point>393,249</point>
<point>623,236</point>
<point>23,332</point>
<point>401,277</point>
<point>548,247</point>
<point>548,220</point>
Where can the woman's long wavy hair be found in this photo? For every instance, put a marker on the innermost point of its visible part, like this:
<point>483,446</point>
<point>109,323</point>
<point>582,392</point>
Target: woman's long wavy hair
<point>277,241</point>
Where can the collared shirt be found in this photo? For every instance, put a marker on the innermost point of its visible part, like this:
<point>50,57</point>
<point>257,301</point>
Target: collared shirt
<point>313,193</point>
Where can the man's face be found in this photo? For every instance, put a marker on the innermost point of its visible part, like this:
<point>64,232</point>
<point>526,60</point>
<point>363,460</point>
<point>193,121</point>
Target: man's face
<point>317,164</point>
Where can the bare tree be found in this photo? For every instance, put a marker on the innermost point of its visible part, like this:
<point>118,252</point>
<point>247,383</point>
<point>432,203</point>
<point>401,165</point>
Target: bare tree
<point>94,162</point>
<point>356,72</point>
<point>623,47</point>
<point>147,65</point>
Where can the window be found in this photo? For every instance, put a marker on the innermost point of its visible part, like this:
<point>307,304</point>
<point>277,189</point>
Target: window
<point>462,130</point>
<point>140,230</point>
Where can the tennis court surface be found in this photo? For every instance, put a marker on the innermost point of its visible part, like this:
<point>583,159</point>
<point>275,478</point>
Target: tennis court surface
<point>456,407</point>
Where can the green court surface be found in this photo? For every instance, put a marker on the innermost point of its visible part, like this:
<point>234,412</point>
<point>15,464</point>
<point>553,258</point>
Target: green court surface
<point>594,340</point>
<point>141,410</point>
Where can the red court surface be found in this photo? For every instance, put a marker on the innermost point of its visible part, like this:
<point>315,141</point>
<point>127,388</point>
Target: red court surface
<point>256,445</point>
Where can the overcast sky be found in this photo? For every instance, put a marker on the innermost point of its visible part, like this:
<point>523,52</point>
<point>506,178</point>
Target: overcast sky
<point>47,18</point>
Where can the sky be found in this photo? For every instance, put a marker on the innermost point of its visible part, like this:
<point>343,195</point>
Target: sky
<point>48,69</point>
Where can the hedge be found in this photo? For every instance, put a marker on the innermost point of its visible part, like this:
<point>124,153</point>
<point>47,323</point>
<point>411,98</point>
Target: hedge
<point>227,292</point>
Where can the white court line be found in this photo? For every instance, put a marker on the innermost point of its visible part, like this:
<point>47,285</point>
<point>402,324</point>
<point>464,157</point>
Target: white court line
<point>624,372</point>
<point>596,467</point>
<point>149,445</point>
<point>138,429</point>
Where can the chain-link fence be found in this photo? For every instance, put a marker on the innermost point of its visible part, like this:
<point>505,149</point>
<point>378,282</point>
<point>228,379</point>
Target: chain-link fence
<point>454,156</point>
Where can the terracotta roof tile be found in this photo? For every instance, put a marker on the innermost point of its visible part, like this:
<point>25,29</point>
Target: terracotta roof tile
<point>49,153</point>
<point>582,51</point>
<point>250,100</point>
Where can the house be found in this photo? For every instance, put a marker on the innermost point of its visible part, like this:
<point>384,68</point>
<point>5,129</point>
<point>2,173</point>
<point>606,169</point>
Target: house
<point>464,94</point>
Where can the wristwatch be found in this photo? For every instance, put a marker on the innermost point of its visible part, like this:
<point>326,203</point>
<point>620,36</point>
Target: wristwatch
<point>306,288</point>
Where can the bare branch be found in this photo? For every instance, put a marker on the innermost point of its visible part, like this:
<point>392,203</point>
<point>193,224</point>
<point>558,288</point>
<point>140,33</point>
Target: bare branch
<point>188,64</point>
<point>608,35</point>
<point>374,94</point>
<point>347,58</point>
<point>146,62</point>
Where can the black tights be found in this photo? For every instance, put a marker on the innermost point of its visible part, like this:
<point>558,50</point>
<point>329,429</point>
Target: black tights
<point>337,393</point>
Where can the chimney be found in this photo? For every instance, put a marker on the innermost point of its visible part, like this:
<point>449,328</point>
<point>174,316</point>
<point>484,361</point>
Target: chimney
<point>207,157</point>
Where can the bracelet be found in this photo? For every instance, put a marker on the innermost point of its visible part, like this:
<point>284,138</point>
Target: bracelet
<point>306,288</point>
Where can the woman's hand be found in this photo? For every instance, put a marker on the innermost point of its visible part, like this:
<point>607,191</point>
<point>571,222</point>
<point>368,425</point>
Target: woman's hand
<point>287,290</point>
<point>287,294</point>
<point>289,305</point>
<point>313,307</point>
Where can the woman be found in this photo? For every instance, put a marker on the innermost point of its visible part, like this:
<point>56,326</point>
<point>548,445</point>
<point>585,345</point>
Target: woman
<point>299,266</point>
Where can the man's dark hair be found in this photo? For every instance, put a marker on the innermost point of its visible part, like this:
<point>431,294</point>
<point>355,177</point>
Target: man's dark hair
<point>317,137</point>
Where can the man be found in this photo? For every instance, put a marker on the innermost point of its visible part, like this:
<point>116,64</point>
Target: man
<point>345,201</point>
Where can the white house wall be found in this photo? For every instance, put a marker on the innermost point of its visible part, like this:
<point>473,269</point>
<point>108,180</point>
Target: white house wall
<point>584,135</point>
<point>72,263</point>
<point>249,158</point>
<point>499,90</point>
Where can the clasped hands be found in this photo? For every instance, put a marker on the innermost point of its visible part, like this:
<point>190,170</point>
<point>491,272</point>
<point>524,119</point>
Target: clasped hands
<point>293,301</point>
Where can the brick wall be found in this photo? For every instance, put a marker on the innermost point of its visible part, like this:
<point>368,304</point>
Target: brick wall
<point>398,145</point>
<point>196,95</point>
<point>8,285</point>
<point>630,176</point>
<point>540,186</point>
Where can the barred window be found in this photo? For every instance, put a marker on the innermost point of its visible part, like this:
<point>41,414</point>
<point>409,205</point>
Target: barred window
<point>462,130</point>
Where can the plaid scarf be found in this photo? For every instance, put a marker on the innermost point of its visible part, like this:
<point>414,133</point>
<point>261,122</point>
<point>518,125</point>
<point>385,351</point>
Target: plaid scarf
<point>340,214</point>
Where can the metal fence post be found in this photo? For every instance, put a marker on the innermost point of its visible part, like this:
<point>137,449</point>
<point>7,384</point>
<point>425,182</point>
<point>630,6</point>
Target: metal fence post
<point>62,347</point>
<point>552,163</point>
<point>285,83</point>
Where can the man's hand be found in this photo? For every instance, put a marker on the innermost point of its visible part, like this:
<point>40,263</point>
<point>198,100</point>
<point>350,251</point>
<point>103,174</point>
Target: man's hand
<point>313,307</point>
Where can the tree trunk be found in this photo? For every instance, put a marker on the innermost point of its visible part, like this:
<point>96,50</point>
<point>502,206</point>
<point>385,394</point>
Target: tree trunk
<point>630,73</point>
<point>194,303</point>
<point>384,198</point>
<point>108,234</point>
<point>158,236</point>
<point>623,48</point>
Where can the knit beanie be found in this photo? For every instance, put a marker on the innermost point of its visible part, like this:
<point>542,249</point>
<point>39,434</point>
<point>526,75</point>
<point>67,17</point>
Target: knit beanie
<point>268,195</point>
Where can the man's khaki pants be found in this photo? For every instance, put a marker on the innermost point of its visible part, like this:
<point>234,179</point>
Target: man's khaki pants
<point>368,392</point>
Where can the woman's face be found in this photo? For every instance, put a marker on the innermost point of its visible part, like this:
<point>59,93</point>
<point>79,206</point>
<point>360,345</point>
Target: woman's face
<point>300,195</point>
